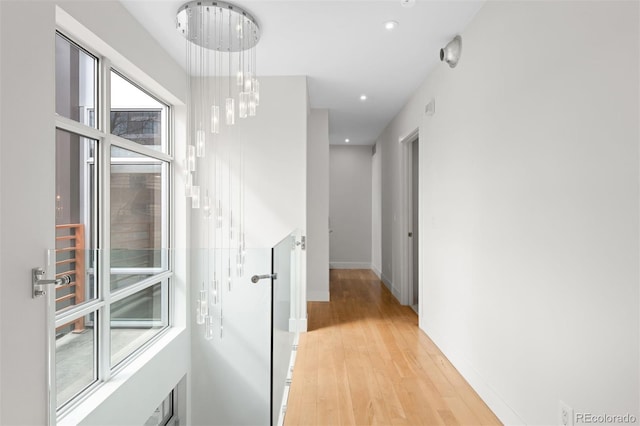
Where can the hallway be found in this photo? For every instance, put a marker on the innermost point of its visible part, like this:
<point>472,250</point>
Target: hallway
<point>364,362</point>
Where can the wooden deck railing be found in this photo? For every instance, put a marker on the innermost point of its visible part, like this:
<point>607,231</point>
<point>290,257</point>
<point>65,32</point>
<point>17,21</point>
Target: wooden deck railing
<point>70,260</point>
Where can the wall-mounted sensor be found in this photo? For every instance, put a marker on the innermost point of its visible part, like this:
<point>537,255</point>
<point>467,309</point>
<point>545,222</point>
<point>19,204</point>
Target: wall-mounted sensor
<point>430,108</point>
<point>451,52</point>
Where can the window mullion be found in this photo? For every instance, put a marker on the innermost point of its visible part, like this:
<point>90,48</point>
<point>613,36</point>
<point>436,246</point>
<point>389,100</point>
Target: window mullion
<point>146,283</point>
<point>138,148</point>
<point>73,126</point>
<point>104,328</point>
<point>165,201</point>
<point>85,309</point>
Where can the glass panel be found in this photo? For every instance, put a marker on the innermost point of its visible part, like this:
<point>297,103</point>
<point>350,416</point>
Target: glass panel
<point>75,82</point>
<point>121,278</point>
<point>135,115</point>
<point>282,338</point>
<point>241,332</point>
<point>75,354</point>
<point>136,319</point>
<point>138,217</point>
<point>75,213</point>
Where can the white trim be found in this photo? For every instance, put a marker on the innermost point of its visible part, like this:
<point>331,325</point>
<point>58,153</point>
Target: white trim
<point>316,296</point>
<point>406,211</point>
<point>386,281</point>
<point>376,271</point>
<point>396,293</point>
<point>349,265</point>
<point>409,137</point>
<point>72,315</point>
<point>127,291</point>
<point>103,169</point>
<point>78,128</point>
<point>303,325</point>
<point>496,403</point>
<point>129,145</point>
<point>389,284</point>
<point>293,325</point>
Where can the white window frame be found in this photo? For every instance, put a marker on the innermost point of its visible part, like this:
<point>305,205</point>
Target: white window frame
<point>102,235</point>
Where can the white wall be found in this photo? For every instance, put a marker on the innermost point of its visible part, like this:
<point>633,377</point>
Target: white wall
<point>350,206</point>
<point>24,359</point>
<point>27,229</point>
<point>231,375</point>
<point>390,170</point>
<point>318,206</point>
<point>529,207</point>
<point>376,213</point>
<point>276,164</point>
<point>1,199</point>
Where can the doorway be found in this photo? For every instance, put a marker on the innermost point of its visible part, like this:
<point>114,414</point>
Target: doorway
<point>410,216</point>
<point>414,255</point>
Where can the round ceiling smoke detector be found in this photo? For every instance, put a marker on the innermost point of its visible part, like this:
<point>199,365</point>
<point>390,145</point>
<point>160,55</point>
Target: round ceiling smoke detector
<point>408,3</point>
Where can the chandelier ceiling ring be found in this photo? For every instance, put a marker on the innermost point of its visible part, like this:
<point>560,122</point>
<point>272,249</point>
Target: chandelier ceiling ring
<point>188,24</point>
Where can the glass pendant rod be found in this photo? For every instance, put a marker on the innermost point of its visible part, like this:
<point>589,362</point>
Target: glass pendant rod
<point>216,32</point>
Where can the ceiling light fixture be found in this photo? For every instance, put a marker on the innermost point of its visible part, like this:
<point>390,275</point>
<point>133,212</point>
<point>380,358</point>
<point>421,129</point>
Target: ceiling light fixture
<point>221,85</point>
<point>363,97</point>
<point>391,25</point>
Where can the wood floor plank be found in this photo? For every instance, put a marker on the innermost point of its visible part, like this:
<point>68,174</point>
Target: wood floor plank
<point>364,361</point>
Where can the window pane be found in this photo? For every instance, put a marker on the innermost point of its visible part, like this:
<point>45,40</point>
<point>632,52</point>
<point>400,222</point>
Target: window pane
<point>138,217</point>
<point>136,319</point>
<point>75,354</point>
<point>163,413</point>
<point>75,82</point>
<point>135,115</point>
<point>75,212</point>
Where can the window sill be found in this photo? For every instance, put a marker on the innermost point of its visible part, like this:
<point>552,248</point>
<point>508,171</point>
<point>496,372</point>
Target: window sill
<point>105,391</point>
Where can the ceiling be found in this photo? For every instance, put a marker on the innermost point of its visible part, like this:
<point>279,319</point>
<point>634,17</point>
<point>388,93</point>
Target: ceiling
<point>343,48</point>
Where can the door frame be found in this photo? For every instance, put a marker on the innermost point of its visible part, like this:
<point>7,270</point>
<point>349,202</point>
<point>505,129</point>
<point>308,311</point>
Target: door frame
<point>406,212</point>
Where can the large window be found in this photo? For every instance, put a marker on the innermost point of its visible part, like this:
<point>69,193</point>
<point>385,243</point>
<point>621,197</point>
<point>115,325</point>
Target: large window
<point>113,180</point>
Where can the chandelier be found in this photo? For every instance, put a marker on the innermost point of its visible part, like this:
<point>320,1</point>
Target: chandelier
<point>220,41</point>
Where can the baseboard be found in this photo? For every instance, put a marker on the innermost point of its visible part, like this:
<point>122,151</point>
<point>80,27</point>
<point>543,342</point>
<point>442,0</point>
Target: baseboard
<point>297,326</point>
<point>493,400</point>
<point>376,271</point>
<point>302,326</point>
<point>317,296</point>
<point>395,291</point>
<point>349,265</point>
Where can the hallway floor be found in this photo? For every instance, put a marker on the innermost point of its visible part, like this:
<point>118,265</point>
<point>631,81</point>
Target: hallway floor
<point>364,361</point>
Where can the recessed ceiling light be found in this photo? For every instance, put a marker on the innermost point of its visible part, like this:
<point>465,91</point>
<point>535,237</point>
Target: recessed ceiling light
<point>346,140</point>
<point>390,25</point>
<point>363,97</point>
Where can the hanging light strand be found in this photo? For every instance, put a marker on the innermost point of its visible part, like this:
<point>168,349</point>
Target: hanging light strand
<point>215,32</point>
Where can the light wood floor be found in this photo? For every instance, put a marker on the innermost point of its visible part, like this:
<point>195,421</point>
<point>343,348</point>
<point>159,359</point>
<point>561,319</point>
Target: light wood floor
<point>365,362</point>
